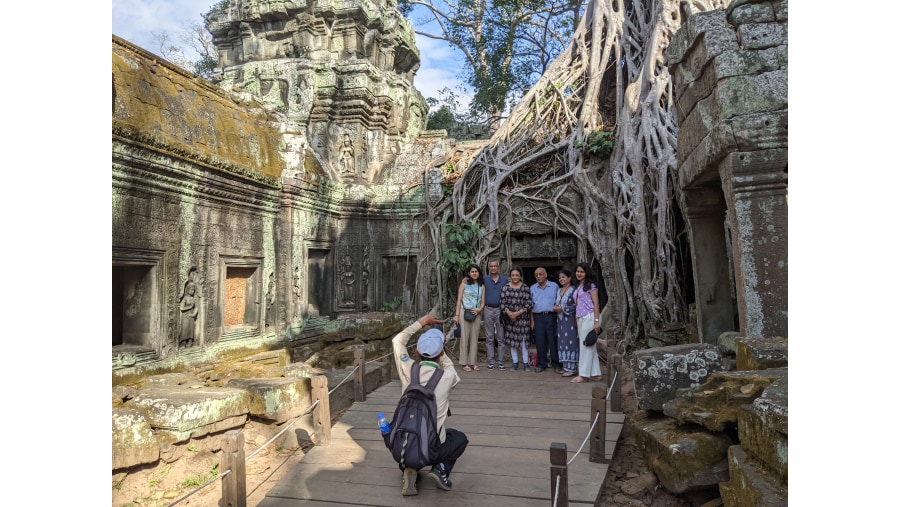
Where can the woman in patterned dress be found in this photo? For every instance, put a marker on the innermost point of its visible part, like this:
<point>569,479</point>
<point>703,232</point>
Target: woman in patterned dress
<point>566,334</point>
<point>515,303</point>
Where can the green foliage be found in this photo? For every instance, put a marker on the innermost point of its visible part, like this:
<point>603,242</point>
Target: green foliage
<point>599,145</point>
<point>443,118</point>
<point>201,479</point>
<point>507,44</point>
<point>459,251</point>
<point>391,305</point>
<point>205,66</point>
<point>192,447</point>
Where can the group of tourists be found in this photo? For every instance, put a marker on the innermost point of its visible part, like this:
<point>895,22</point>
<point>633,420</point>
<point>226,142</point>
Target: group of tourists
<point>558,317</point>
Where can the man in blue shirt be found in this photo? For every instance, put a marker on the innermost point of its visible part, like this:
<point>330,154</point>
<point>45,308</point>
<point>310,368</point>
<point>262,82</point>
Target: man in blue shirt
<point>493,329</point>
<point>543,320</point>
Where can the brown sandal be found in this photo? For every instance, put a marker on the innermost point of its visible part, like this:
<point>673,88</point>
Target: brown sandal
<point>475,367</point>
<point>577,380</point>
<point>568,374</point>
<point>466,368</point>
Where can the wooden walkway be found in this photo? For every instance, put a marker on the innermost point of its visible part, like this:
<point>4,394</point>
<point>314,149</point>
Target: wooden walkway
<point>510,418</point>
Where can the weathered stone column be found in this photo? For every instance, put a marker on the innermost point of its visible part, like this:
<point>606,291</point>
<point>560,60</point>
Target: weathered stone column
<point>705,212</point>
<point>756,186</point>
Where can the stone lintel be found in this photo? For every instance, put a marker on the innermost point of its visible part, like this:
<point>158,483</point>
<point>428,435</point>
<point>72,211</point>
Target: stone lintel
<point>183,409</point>
<point>661,371</point>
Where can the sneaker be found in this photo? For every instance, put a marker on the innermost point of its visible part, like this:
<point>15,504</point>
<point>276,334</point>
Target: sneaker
<point>490,366</point>
<point>439,478</point>
<point>501,367</point>
<point>409,482</point>
<point>515,367</point>
<point>527,367</point>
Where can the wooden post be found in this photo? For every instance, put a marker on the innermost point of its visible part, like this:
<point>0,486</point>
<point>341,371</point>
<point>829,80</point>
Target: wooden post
<point>598,434</point>
<point>322,412</point>
<point>559,475</point>
<point>359,360</point>
<point>610,350</point>
<point>234,485</point>
<point>615,397</point>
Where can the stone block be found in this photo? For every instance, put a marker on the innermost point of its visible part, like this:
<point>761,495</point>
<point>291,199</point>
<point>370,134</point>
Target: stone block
<point>727,343</point>
<point>741,12</point>
<point>277,399</point>
<point>762,35</point>
<point>186,412</point>
<point>762,353</point>
<point>133,441</point>
<point>684,458</point>
<point>661,371</point>
<point>749,484</point>
<point>781,10</point>
<point>717,404</point>
<point>707,29</point>
<point>727,64</point>
<point>763,428</point>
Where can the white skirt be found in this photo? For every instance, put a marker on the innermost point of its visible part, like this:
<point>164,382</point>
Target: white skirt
<point>588,360</point>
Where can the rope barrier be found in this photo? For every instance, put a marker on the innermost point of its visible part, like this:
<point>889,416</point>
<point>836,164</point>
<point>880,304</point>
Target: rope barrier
<point>556,496</point>
<point>611,384</point>
<point>586,437</point>
<point>308,410</point>
<point>176,502</point>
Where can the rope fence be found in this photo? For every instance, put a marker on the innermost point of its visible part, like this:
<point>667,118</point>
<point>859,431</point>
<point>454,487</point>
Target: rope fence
<point>559,466</point>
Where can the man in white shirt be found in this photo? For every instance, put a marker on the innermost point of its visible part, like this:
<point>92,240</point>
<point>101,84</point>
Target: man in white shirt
<point>430,350</point>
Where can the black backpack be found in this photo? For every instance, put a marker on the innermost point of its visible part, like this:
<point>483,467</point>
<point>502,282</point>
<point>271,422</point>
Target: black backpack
<point>414,440</point>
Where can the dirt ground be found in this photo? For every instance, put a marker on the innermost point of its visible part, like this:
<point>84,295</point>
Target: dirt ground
<point>165,483</point>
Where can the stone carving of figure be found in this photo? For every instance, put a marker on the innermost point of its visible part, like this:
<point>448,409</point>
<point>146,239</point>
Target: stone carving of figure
<point>270,301</point>
<point>133,301</point>
<point>298,293</point>
<point>189,309</point>
<point>348,163</point>
<point>364,276</point>
<point>348,278</point>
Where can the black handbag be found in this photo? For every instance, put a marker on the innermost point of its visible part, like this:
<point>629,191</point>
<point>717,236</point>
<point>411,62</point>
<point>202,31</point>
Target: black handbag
<point>590,339</point>
<point>504,319</point>
<point>468,315</point>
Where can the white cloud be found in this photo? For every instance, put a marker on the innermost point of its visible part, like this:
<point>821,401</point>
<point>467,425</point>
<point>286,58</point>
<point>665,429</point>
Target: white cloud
<point>135,20</point>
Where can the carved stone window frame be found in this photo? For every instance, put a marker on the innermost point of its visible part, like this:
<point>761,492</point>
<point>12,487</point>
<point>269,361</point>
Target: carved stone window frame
<point>253,299</point>
<point>155,260</point>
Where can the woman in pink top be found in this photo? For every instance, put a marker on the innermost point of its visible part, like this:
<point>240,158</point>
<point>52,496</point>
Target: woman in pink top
<point>587,318</point>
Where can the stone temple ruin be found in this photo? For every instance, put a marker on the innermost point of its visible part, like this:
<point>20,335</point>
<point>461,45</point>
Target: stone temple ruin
<point>265,219</point>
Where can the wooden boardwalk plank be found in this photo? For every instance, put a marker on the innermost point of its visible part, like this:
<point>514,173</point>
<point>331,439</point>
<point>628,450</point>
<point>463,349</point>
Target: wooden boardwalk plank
<point>510,418</point>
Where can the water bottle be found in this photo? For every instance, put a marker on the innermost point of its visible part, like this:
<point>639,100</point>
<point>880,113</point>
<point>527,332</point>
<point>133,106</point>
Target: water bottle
<point>383,424</point>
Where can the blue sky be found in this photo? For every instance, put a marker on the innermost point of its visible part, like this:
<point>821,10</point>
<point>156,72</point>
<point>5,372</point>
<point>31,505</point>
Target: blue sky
<point>135,20</point>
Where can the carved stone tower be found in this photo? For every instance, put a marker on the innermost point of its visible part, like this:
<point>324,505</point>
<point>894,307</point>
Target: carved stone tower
<point>340,73</point>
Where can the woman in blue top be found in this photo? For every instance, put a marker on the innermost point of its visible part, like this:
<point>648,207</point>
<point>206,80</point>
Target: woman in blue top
<point>470,298</point>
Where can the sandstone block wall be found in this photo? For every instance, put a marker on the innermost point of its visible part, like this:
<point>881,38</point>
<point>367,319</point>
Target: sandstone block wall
<point>730,74</point>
